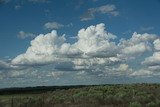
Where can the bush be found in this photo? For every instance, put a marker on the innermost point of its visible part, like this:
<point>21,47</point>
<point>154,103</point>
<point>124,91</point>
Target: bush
<point>151,104</point>
<point>121,94</point>
<point>135,104</point>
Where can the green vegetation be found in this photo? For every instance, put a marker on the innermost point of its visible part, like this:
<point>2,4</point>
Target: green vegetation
<point>129,95</point>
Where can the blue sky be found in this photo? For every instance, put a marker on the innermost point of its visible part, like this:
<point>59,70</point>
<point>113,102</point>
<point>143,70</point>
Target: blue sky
<point>97,54</point>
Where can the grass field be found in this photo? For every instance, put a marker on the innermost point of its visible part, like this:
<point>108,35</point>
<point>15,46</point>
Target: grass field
<point>127,95</point>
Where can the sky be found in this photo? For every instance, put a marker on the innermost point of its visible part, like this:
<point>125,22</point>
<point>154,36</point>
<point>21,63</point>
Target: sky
<point>79,42</point>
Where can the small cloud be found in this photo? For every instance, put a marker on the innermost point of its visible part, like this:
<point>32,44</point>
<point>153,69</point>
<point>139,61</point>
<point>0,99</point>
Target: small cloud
<point>123,67</point>
<point>53,25</point>
<point>127,32</point>
<point>146,28</point>
<point>48,13</point>
<point>69,25</point>
<point>56,25</point>
<point>89,15</point>
<point>73,37</point>
<point>24,35</point>
<point>7,57</point>
<point>19,4</point>
<point>17,7</point>
<point>105,9</point>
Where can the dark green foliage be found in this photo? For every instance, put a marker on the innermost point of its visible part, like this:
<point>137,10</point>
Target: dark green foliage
<point>135,104</point>
<point>129,95</point>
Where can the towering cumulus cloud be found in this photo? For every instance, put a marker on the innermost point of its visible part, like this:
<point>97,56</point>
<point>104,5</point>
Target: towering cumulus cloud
<point>92,42</point>
<point>43,49</point>
<point>95,41</point>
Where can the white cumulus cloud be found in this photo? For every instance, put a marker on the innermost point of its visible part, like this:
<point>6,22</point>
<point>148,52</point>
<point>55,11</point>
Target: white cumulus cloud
<point>43,49</point>
<point>157,44</point>
<point>136,45</point>
<point>96,41</point>
<point>93,41</point>
<point>94,51</point>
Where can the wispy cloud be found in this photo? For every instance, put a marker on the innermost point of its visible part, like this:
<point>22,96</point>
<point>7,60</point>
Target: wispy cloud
<point>105,9</point>
<point>53,25</point>
<point>56,25</point>
<point>17,7</point>
<point>24,35</point>
<point>146,28</point>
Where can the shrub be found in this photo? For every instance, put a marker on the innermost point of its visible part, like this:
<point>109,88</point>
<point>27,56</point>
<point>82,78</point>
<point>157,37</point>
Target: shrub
<point>135,104</point>
<point>151,104</point>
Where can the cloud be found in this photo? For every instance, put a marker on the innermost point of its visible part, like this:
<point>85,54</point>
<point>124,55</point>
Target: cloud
<point>142,72</point>
<point>136,45</point>
<point>94,64</point>
<point>137,38</point>
<point>136,49</point>
<point>157,44</point>
<point>154,68</point>
<point>4,65</point>
<point>95,41</point>
<point>7,66</point>
<point>106,9</point>
<point>92,42</point>
<point>123,67</point>
<point>53,25</point>
<point>96,55</point>
<point>56,25</point>
<point>65,66</point>
<point>94,52</point>
<point>24,35</point>
<point>145,29</point>
<point>154,60</point>
<point>17,7</point>
<point>43,49</point>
